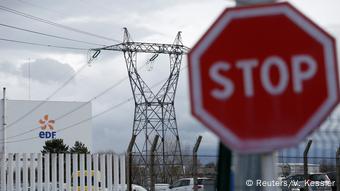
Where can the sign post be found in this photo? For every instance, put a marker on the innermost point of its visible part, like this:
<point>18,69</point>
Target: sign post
<point>261,163</point>
<point>263,78</point>
<point>224,180</point>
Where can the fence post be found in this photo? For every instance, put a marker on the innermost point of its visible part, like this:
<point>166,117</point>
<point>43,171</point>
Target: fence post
<point>109,170</point>
<point>10,172</point>
<point>96,174</point>
<point>25,172</point>
<point>129,166</point>
<point>46,167</point>
<point>89,171</point>
<point>224,180</point>
<point>17,171</point>
<point>338,169</point>
<point>33,176</point>
<point>82,171</point>
<point>305,161</point>
<point>3,169</point>
<point>194,161</point>
<point>152,163</point>
<point>117,186</point>
<point>40,172</point>
<point>102,159</point>
<point>122,160</point>
<point>53,172</point>
<point>74,173</point>
<point>61,171</point>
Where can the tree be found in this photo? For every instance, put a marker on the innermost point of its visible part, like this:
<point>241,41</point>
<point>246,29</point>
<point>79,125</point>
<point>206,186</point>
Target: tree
<point>210,165</point>
<point>79,147</point>
<point>326,166</point>
<point>55,146</point>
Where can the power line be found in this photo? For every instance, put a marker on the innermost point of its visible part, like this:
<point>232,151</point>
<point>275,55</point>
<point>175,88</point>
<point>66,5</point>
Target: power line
<point>47,99</point>
<point>79,122</point>
<point>54,24</point>
<point>43,45</point>
<point>47,9</point>
<point>90,118</point>
<point>49,35</point>
<point>82,105</point>
<point>73,110</point>
<point>79,107</point>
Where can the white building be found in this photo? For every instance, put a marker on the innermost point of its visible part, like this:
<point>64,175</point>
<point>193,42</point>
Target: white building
<point>31,123</point>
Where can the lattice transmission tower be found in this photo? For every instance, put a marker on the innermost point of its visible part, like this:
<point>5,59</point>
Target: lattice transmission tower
<point>154,111</point>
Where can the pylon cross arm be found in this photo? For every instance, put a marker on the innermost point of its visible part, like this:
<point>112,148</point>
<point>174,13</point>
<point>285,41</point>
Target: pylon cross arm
<point>147,48</point>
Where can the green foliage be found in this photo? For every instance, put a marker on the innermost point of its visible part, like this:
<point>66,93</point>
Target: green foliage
<point>58,146</point>
<point>79,147</point>
<point>55,146</point>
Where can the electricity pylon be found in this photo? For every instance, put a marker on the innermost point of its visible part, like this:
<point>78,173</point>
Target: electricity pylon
<point>154,111</point>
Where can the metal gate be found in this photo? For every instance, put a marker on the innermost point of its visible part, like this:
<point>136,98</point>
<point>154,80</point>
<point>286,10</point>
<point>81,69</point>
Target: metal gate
<point>62,172</point>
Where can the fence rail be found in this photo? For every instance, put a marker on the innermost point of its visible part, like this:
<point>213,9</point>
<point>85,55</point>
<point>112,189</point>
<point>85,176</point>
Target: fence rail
<point>62,172</point>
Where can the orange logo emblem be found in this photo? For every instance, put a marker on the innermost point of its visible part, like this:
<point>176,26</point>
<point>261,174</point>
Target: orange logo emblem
<point>46,123</point>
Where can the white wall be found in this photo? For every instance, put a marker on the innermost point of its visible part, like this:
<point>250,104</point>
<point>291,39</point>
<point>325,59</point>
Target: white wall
<point>68,127</point>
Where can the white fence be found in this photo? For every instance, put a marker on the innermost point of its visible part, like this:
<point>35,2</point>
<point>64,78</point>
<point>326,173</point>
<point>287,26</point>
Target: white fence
<point>62,172</point>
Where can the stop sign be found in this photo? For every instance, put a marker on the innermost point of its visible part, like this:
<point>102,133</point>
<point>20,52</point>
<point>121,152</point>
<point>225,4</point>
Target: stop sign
<point>263,77</point>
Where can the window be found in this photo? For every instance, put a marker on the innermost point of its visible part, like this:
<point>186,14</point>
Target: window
<point>318,177</point>
<point>298,178</point>
<point>176,184</point>
<point>185,182</point>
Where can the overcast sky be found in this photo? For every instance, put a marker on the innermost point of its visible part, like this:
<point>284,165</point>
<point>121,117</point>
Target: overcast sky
<point>150,21</point>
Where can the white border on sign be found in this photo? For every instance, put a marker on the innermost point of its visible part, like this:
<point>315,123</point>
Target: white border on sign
<point>268,144</point>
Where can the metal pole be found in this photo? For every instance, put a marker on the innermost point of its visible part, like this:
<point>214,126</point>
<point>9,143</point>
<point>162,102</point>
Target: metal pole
<point>29,78</point>
<point>224,180</point>
<point>338,169</point>
<point>252,2</point>
<point>305,160</point>
<point>248,167</point>
<point>4,121</point>
<point>194,161</point>
<point>129,166</point>
<point>269,174</point>
<point>247,172</point>
<point>152,163</point>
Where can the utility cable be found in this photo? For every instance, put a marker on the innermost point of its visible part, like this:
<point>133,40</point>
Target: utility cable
<point>71,111</point>
<point>46,9</point>
<point>7,9</point>
<point>79,122</point>
<point>43,45</point>
<point>80,106</point>
<point>47,99</point>
<point>49,35</point>
<point>92,117</point>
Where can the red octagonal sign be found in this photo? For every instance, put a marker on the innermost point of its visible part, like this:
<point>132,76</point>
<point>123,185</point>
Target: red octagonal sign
<point>263,77</point>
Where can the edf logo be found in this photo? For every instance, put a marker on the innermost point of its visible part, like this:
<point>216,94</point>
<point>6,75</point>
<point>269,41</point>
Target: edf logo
<point>45,125</point>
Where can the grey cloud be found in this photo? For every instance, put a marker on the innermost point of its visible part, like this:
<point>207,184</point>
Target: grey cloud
<point>113,130</point>
<point>9,68</point>
<point>115,18</point>
<point>42,70</point>
<point>47,70</point>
